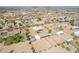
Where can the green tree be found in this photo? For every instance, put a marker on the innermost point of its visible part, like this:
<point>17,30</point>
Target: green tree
<point>39,19</point>
<point>49,31</point>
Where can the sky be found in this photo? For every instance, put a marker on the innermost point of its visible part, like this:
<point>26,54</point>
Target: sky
<point>39,2</point>
<point>39,6</point>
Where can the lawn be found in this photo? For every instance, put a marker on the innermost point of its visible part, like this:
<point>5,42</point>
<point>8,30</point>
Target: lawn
<point>75,37</point>
<point>14,39</point>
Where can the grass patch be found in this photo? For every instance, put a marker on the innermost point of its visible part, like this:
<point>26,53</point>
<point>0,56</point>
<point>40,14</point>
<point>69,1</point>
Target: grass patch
<point>75,37</point>
<point>14,39</point>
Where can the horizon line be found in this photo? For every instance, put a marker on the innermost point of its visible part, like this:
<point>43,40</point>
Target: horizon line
<point>39,6</point>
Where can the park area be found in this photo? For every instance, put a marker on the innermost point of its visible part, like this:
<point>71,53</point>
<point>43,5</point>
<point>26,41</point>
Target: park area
<point>14,39</point>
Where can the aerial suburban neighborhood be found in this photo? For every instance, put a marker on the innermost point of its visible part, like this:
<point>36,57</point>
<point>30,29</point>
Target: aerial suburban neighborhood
<point>39,30</point>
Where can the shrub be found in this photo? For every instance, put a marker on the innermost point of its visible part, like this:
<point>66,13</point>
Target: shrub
<point>49,31</point>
